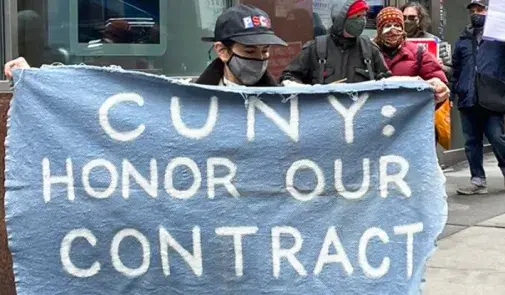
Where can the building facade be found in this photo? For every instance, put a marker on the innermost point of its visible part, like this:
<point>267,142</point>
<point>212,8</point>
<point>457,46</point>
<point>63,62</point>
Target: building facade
<point>163,37</point>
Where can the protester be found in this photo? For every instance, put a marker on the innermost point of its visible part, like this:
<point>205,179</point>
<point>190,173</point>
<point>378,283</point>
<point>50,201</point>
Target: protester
<point>417,22</point>
<point>343,55</point>
<point>404,58</point>
<point>243,36</point>
<point>474,57</point>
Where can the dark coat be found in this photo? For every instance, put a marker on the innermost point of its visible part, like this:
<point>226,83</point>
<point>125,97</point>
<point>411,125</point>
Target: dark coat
<point>490,57</point>
<point>344,57</point>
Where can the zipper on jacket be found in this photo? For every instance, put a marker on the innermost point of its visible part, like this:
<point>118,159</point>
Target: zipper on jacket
<point>344,61</point>
<point>477,52</point>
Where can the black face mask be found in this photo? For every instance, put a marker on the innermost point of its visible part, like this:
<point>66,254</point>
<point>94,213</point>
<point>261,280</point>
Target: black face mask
<point>478,20</point>
<point>355,26</point>
<point>247,70</point>
<point>411,28</point>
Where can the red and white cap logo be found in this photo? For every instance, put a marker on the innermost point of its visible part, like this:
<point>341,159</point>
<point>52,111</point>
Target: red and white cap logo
<point>256,21</point>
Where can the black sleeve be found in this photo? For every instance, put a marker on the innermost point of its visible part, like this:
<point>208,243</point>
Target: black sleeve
<point>379,64</point>
<point>299,69</point>
<point>456,69</point>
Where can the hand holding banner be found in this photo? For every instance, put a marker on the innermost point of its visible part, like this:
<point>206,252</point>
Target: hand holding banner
<point>126,183</point>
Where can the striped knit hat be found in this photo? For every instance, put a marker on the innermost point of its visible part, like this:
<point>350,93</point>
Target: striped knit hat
<point>389,15</point>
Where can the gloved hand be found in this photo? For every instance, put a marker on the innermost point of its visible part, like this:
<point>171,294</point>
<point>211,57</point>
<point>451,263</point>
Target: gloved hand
<point>445,54</point>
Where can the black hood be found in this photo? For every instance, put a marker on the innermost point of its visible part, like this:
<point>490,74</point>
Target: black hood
<point>339,16</point>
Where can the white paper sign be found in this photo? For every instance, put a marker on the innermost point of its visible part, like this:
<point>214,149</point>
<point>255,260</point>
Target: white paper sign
<point>494,29</point>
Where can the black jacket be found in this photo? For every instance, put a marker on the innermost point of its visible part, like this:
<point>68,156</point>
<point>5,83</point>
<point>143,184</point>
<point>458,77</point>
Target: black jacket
<point>344,56</point>
<point>215,72</point>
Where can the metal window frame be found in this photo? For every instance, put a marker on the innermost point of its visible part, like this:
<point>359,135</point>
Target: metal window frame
<point>9,36</point>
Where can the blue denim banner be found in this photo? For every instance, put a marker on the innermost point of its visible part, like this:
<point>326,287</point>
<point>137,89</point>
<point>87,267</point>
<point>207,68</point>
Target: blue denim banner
<point>127,183</point>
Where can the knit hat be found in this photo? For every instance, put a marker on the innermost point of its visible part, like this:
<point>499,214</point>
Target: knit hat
<point>357,6</point>
<point>389,15</point>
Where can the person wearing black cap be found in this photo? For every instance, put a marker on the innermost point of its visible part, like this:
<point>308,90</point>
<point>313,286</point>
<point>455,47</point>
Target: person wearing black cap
<point>242,39</point>
<point>479,77</point>
<point>344,55</point>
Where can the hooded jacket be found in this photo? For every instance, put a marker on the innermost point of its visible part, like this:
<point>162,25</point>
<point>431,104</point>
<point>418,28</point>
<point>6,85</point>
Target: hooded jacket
<point>215,72</point>
<point>490,58</point>
<point>344,57</point>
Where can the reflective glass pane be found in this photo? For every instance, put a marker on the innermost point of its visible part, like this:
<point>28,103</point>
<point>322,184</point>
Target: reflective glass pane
<point>159,36</point>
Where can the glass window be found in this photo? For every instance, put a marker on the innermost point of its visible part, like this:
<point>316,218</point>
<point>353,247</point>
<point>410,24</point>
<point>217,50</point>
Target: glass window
<point>159,36</point>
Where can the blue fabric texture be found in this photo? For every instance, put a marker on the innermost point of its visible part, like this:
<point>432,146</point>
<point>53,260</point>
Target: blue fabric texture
<point>119,183</point>
<point>490,61</point>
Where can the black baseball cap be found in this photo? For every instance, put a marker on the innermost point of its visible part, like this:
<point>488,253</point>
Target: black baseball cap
<point>481,3</point>
<point>245,24</point>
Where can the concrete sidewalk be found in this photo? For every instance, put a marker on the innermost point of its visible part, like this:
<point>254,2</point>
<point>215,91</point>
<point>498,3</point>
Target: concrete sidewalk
<point>470,258</point>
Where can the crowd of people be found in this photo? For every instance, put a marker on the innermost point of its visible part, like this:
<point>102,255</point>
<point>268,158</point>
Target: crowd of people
<point>243,36</point>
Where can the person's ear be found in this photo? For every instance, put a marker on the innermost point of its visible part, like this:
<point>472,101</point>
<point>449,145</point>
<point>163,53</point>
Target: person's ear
<point>222,52</point>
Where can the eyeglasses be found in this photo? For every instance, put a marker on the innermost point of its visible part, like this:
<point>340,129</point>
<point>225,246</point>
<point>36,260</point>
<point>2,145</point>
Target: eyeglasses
<point>411,18</point>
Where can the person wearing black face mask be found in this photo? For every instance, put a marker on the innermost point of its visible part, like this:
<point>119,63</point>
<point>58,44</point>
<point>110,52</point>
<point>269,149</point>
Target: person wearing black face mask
<point>478,80</point>
<point>417,21</point>
<point>242,39</point>
<point>343,55</point>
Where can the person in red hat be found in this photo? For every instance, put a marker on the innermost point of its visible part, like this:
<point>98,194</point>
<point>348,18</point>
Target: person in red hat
<point>343,55</point>
<point>356,19</point>
<point>407,59</point>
